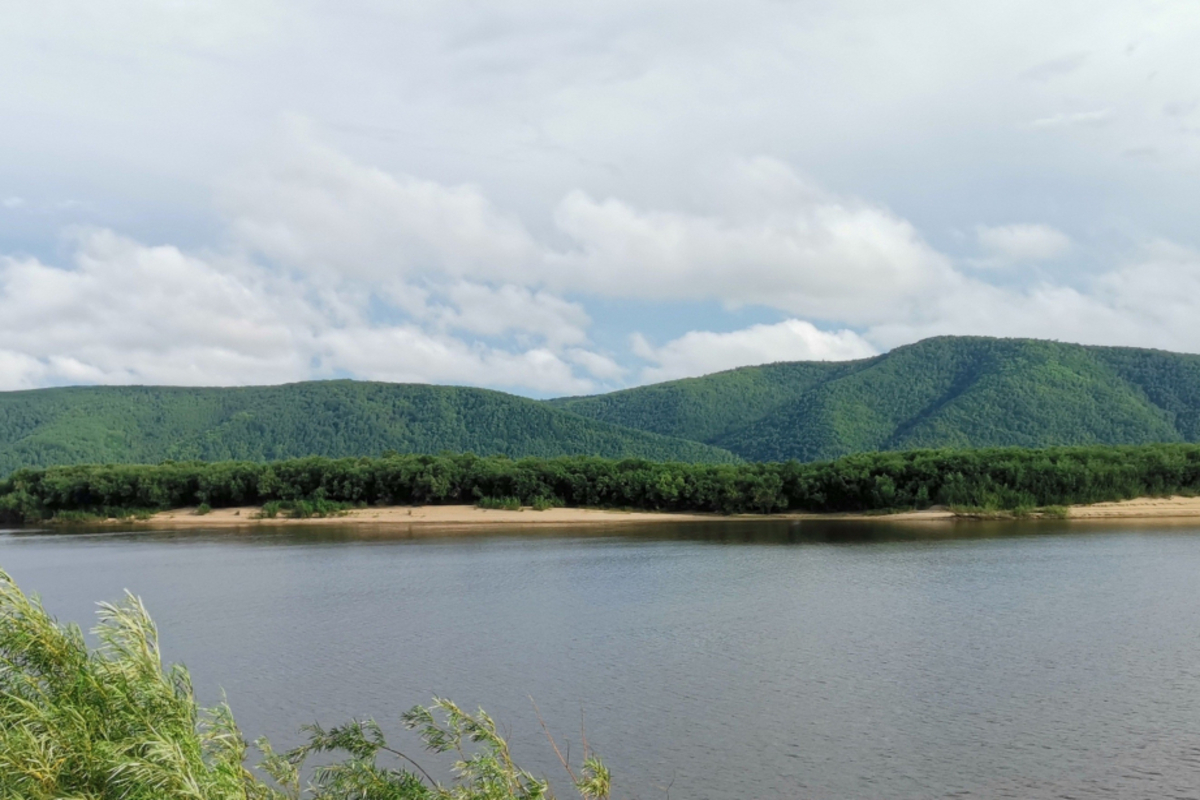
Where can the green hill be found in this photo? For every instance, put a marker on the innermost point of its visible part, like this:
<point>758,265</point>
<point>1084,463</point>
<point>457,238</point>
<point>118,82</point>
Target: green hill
<point>148,424</point>
<point>941,392</point>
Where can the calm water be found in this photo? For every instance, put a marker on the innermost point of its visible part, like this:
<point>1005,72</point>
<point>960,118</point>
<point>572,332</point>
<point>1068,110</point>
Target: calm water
<point>722,661</point>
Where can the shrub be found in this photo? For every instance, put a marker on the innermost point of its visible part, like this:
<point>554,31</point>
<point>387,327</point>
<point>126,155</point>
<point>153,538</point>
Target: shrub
<point>111,723</point>
<point>269,510</point>
<point>543,503</point>
<point>499,503</point>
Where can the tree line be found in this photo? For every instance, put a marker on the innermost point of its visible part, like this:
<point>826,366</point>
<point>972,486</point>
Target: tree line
<point>987,479</point>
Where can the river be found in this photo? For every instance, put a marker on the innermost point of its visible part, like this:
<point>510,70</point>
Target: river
<point>719,660</point>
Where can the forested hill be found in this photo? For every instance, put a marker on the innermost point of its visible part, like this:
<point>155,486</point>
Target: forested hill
<point>103,424</point>
<point>942,392</point>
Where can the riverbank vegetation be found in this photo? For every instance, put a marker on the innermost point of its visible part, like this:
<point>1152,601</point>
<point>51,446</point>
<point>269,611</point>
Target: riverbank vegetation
<point>1012,480</point>
<point>111,723</point>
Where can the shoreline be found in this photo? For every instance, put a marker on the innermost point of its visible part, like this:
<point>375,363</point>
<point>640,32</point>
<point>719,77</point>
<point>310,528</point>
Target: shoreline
<point>1146,508</point>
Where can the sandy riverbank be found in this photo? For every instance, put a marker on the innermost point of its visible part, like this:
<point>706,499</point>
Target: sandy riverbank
<point>422,515</point>
<point>465,515</point>
<point>1142,508</point>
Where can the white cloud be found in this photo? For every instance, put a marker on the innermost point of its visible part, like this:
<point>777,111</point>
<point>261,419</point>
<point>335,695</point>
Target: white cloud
<point>533,98</point>
<point>1068,119</point>
<point>20,371</point>
<point>826,258</point>
<point>494,170</point>
<point>406,354</point>
<point>1151,301</point>
<point>598,365</point>
<point>128,313</point>
<point>1055,67</point>
<point>772,239</point>
<point>124,312</point>
<point>319,212</point>
<point>702,352</point>
<point>1007,244</point>
<point>498,311</point>
<point>12,201</point>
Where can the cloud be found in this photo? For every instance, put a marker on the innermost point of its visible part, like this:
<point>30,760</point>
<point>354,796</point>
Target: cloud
<point>407,354</point>
<point>12,201</point>
<point>703,352</point>
<point>20,371</point>
<point>1055,67</point>
<point>824,257</point>
<point>770,238</point>
<point>598,365</point>
<point>468,192</point>
<point>124,312</point>
<point>1066,120</point>
<point>392,295</point>
<point>1150,301</point>
<point>1006,244</point>
<point>502,310</point>
<point>317,211</point>
<point>1180,109</point>
<point>527,101</point>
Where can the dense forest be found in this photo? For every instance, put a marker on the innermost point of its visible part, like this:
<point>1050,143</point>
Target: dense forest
<point>942,392</point>
<point>135,424</point>
<point>986,479</point>
<point>961,392</point>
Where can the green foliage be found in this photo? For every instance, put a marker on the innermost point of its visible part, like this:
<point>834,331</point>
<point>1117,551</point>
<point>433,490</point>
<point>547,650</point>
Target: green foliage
<point>545,503</point>
<point>138,424</point>
<point>270,509</point>
<point>701,409</point>
<point>203,509</point>
<point>499,503</point>
<point>108,723</point>
<point>112,724</point>
<point>317,506</point>
<point>942,392</point>
<point>989,479</point>
<point>100,514</point>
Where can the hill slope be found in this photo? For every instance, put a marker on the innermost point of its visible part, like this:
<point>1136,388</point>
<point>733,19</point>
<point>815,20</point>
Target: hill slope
<point>941,392</point>
<point>135,424</point>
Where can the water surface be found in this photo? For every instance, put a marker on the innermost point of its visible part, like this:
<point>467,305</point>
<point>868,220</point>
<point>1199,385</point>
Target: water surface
<point>719,660</point>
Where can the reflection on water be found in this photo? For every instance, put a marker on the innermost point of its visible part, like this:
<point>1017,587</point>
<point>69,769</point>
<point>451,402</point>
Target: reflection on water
<point>718,530</point>
<point>727,660</point>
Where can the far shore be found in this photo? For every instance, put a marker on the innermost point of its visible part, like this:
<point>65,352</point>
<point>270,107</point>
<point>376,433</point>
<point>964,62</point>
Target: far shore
<point>1148,508</point>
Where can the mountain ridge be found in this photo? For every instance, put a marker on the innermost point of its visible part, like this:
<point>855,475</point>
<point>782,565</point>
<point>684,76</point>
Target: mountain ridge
<point>939,392</point>
<point>950,391</point>
<point>148,424</point>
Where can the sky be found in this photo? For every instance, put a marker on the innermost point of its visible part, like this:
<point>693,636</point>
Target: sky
<point>560,198</point>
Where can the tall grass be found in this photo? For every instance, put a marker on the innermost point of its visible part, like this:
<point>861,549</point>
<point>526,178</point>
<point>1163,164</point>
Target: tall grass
<point>111,723</point>
<point>499,503</point>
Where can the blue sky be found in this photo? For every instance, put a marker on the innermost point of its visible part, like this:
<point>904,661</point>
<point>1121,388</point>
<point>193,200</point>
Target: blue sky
<point>562,198</point>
